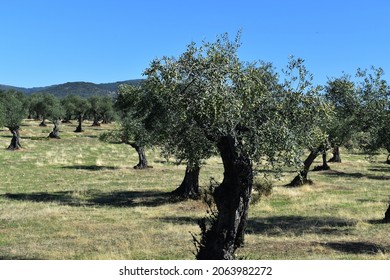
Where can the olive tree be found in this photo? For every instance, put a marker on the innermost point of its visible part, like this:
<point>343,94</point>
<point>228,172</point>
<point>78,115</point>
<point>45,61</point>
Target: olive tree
<point>132,131</point>
<point>13,111</point>
<point>374,113</point>
<point>246,113</point>
<point>341,93</point>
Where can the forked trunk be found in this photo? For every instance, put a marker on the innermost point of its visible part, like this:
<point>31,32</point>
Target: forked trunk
<point>15,141</point>
<point>189,188</point>
<point>56,130</point>
<point>232,198</point>
<point>387,215</point>
<point>301,178</point>
<point>142,161</point>
<point>336,155</point>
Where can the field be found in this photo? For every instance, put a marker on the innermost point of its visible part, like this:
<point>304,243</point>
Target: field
<point>80,198</point>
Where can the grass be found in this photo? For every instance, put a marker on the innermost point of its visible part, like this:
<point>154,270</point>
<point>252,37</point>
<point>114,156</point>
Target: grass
<point>79,198</point>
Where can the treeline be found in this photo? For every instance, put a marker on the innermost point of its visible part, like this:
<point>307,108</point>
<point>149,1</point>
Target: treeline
<point>16,106</point>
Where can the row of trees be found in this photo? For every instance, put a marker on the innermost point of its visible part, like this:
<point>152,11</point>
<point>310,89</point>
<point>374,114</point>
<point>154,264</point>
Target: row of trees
<point>208,102</point>
<point>15,106</point>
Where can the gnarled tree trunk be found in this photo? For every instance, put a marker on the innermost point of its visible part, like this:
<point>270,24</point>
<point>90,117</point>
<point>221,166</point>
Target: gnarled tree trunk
<point>336,155</point>
<point>189,188</point>
<point>232,199</point>
<point>15,141</point>
<point>43,122</point>
<point>56,130</point>
<point>142,161</point>
<point>301,178</point>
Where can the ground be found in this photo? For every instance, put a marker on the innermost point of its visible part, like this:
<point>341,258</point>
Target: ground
<point>80,198</point>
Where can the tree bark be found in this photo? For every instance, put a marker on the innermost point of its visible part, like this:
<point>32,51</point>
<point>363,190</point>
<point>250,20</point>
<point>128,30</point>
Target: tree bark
<point>15,141</point>
<point>43,122</point>
<point>324,165</point>
<point>79,127</point>
<point>56,130</point>
<point>189,188</point>
<point>95,120</point>
<point>386,219</point>
<point>232,198</point>
<point>336,155</point>
<point>142,161</point>
<point>301,178</point>
<point>388,159</point>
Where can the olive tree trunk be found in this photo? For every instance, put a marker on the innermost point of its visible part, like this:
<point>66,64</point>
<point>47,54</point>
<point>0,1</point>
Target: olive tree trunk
<point>79,127</point>
<point>301,178</point>
<point>232,198</point>
<point>189,188</point>
<point>15,141</point>
<point>142,161</point>
<point>56,130</point>
<point>386,219</point>
<point>336,155</point>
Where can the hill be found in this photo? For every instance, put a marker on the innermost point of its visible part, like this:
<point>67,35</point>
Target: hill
<point>83,89</point>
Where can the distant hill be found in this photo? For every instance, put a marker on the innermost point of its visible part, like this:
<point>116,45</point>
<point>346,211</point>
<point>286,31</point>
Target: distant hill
<point>83,89</point>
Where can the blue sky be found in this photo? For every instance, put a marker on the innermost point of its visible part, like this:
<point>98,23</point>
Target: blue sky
<point>45,42</point>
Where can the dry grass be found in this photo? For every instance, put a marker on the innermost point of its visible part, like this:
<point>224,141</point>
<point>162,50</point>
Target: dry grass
<point>79,198</point>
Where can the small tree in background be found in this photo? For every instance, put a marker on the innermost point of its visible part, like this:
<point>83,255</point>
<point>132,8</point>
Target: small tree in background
<point>13,111</point>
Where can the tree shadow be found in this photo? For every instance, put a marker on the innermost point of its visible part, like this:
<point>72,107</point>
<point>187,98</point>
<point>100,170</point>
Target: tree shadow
<point>95,198</point>
<point>91,167</point>
<point>356,175</point>
<point>299,225</point>
<point>356,247</point>
<point>180,220</point>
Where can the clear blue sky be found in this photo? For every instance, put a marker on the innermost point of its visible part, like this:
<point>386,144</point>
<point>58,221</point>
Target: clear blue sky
<point>45,42</point>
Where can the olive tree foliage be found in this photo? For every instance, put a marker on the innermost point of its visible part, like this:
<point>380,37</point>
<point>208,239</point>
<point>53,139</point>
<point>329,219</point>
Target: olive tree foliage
<point>12,110</point>
<point>101,109</point>
<point>374,110</point>
<point>131,115</point>
<point>246,114</point>
<point>374,113</point>
<point>342,95</point>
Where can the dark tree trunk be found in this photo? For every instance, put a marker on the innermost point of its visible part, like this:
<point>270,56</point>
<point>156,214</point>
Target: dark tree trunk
<point>189,188</point>
<point>79,127</point>
<point>142,161</point>
<point>15,141</point>
<point>388,159</point>
<point>95,120</point>
<point>232,198</point>
<point>56,130</point>
<point>301,178</point>
<point>387,216</point>
<point>43,122</point>
<point>336,155</point>
<point>324,165</point>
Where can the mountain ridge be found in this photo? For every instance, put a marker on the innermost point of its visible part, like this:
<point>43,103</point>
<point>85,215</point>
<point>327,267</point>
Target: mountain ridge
<point>84,89</point>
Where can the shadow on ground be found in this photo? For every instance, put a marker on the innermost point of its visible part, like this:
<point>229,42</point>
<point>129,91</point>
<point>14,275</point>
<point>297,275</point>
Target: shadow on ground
<point>299,225</point>
<point>90,167</point>
<point>95,198</point>
<point>356,175</point>
<point>356,247</point>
